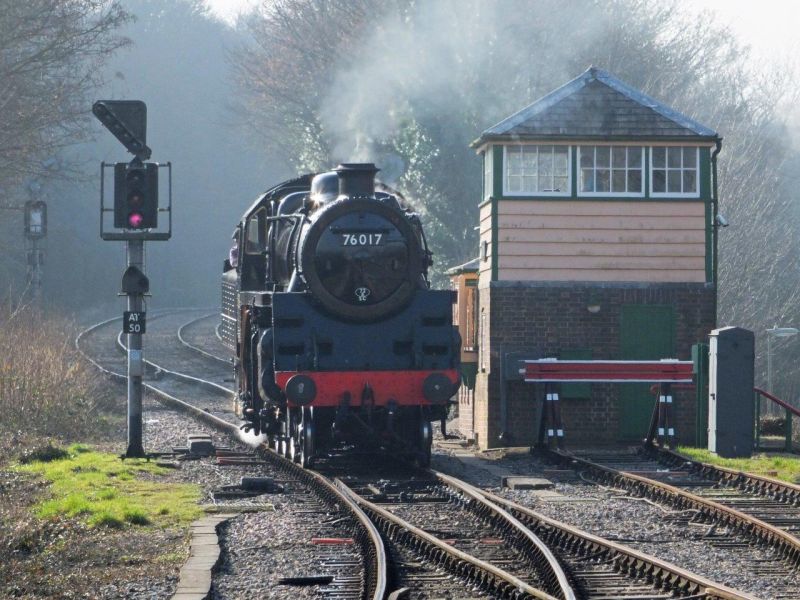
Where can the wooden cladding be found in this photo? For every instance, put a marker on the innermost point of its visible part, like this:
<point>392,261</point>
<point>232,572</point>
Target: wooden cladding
<point>597,241</point>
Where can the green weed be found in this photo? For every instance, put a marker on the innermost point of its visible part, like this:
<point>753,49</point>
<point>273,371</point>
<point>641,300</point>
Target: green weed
<point>108,492</point>
<point>782,466</point>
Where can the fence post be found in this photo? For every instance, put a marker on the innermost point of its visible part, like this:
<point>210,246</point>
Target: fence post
<point>788,431</point>
<point>758,420</point>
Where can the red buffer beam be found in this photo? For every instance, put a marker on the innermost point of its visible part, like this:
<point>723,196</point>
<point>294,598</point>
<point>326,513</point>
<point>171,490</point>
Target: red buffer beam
<point>550,370</point>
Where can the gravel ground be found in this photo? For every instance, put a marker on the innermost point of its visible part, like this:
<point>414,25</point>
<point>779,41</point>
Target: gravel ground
<point>261,547</point>
<point>65,559</point>
<point>640,524</point>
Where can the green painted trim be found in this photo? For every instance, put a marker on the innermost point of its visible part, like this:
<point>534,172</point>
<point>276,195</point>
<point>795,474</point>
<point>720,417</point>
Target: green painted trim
<point>497,184</point>
<point>494,239</point>
<point>689,140</point>
<point>709,213</point>
<point>705,172</point>
<point>483,175</point>
<point>603,199</point>
<point>573,152</point>
<point>705,186</point>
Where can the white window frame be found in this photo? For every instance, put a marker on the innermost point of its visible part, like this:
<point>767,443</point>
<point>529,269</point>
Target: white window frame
<point>579,174</point>
<point>667,194</point>
<point>566,194</point>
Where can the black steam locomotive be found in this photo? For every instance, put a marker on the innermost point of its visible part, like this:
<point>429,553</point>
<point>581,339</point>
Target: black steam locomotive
<point>338,339</point>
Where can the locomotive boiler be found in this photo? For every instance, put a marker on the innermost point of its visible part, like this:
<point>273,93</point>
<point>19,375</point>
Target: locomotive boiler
<point>337,337</point>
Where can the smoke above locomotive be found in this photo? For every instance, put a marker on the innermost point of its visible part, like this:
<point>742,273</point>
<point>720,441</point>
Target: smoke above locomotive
<point>335,330</point>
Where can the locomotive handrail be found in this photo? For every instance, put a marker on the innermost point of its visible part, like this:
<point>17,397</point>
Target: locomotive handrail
<point>289,216</point>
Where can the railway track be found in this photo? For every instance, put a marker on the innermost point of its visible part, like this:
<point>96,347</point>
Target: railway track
<point>170,384</point>
<point>445,538</point>
<point>739,509</point>
<point>768,499</point>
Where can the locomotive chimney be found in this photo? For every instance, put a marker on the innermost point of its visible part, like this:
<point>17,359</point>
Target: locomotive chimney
<point>356,179</point>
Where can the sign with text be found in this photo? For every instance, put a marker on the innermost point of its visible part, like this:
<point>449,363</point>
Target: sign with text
<point>133,322</point>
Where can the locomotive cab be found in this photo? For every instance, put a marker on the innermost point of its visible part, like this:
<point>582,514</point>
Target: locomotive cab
<point>336,334</point>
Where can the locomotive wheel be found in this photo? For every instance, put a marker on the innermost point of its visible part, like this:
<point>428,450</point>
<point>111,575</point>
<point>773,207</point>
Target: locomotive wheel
<point>424,442</point>
<point>306,438</point>
<point>284,442</point>
<point>294,429</point>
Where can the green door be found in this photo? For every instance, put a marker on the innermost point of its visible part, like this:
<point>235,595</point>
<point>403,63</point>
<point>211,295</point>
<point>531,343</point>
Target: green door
<point>647,332</point>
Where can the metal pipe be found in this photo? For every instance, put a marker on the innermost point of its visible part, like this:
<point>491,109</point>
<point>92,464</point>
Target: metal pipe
<point>714,228</point>
<point>135,361</point>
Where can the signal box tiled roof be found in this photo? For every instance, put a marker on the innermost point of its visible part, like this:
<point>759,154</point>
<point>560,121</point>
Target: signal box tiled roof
<point>596,105</point>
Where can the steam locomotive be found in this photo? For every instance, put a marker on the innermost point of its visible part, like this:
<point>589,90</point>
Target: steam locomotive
<point>337,339</point>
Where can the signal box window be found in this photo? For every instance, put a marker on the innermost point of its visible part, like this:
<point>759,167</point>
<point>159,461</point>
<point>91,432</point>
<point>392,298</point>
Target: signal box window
<point>611,170</point>
<point>674,171</point>
<point>532,170</point>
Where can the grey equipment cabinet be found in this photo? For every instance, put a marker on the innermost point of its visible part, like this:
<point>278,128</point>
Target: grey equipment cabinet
<point>731,410</point>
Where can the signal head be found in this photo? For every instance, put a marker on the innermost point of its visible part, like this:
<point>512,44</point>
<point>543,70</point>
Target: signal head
<point>136,195</point>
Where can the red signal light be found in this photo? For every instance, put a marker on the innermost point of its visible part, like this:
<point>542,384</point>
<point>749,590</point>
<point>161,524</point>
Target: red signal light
<point>135,220</point>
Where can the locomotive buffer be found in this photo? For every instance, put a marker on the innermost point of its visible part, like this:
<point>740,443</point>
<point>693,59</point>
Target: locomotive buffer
<point>135,212</point>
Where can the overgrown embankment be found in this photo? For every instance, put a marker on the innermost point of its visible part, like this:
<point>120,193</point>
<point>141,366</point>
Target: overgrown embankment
<point>76,521</point>
<point>46,389</point>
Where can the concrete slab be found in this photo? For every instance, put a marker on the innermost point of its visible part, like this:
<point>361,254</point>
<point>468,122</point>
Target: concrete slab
<point>196,574</point>
<point>194,579</point>
<point>470,461</point>
<point>516,482</point>
<point>204,549</point>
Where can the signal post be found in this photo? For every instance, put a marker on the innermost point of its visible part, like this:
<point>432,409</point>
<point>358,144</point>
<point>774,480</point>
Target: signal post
<point>135,209</point>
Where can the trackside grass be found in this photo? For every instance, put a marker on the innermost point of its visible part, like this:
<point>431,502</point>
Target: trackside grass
<point>781,466</point>
<point>104,490</point>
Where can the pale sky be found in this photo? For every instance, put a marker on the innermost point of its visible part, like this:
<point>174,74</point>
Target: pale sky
<point>770,27</point>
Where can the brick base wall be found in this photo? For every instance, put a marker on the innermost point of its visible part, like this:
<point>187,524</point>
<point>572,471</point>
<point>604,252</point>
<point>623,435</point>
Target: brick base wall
<point>542,319</point>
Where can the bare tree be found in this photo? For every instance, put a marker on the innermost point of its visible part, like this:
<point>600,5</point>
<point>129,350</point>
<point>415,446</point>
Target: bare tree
<point>50,54</point>
<point>420,80</point>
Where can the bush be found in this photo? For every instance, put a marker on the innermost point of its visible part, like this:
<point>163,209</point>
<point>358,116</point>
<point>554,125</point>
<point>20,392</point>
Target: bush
<point>46,388</point>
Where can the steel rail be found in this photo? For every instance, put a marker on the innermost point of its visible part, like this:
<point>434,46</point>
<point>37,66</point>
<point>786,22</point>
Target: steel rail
<point>158,313</point>
<point>626,560</point>
<point>197,349</point>
<point>198,380</point>
<point>553,573</point>
<point>786,544</point>
<point>481,573</point>
<point>368,536</point>
<point>781,491</point>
